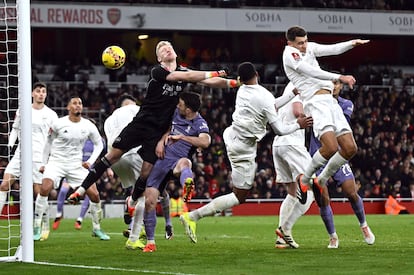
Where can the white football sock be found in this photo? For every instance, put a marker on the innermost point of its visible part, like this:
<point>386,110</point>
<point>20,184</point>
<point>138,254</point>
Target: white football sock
<point>138,219</point>
<point>45,219</point>
<point>96,213</point>
<point>215,206</point>
<point>297,211</point>
<point>333,165</point>
<point>40,208</point>
<point>286,207</point>
<point>81,191</point>
<point>317,161</point>
<point>3,198</point>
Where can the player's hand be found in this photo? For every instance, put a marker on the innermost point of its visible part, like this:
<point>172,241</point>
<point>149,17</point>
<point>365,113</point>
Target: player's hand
<point>110,173</point>
<point>226,69</point>
<point>174,138</point>
<point>305,122</point>
<point>222,73</point>
<point>348,79</point>
<point>358,42</point>
<point>160,149</point>
<point>86,165</point>
<point>42,169</point>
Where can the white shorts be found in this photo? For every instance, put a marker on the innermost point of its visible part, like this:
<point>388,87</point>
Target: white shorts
<point>128,168</point>
<point>74,174</point>
<point>13,168</point>
<point>327,115</point>
<point>242,155</point>
<point>290,161</point>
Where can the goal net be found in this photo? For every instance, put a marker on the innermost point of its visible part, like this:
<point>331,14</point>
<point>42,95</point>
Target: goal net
<point>16,217</point>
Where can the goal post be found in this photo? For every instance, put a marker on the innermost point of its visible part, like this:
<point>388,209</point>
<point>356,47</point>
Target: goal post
<point>16,78</point>
<point>24,65</point>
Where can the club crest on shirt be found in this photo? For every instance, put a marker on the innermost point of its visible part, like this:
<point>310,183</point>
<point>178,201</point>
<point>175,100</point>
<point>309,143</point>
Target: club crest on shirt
<point>296,56</point>
<point>188,128</point>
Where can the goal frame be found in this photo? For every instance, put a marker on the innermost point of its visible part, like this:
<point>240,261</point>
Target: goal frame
<point>25,251</point>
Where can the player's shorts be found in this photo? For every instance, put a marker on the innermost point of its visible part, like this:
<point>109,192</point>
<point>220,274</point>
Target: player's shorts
<point>290,161</point>
<point>134,135</point>
<point>241,153</point>
<point>13,168</point>
<point>160,170</point>
<point>128,168</point>
<point>74,173</point>
<point>343,174</point>
<point>327,115</point>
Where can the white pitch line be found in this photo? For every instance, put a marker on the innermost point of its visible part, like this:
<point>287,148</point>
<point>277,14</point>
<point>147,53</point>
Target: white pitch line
<point>111,268</point>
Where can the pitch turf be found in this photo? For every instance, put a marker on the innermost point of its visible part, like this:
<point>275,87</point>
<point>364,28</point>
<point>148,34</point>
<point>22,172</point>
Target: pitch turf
<point>229,245</point>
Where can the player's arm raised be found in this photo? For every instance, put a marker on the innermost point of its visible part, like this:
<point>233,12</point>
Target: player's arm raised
<point>194,76</point>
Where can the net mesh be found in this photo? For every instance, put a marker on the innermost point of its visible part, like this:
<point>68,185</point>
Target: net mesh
<point>10,216</point>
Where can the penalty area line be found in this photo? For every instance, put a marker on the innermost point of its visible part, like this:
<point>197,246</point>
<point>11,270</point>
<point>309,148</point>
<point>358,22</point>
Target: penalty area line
<point>111,268</point>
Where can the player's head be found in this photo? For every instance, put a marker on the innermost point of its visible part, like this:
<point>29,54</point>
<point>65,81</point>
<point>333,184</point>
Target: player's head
<point>165,52</point>
<point>125,99</point>
<point>188,102</point>
<point>75,106</point>
<point>297,37</point>
<point>246,71</point>
<point>39,92</point>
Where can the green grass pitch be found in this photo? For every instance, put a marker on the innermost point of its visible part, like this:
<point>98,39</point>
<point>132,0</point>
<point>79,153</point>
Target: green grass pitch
<point>229,245</point>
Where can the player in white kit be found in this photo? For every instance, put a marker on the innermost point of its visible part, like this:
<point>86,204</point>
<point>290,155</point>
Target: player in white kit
<point>63,155</point>
<point>42,119</point>
<point>290,157</point>
<point>315,88</point>
<point>255,108</point>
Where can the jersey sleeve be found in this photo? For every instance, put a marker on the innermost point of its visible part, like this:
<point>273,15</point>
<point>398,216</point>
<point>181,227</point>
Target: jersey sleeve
<point>96,139</point>
<point>292,57</point>
<point>158,73</point>
<point>269,107</point>
<point>15,129</point>
<point>331,49</point>
<point>203,127</point>
<point>50,137</point>
<point>348,109</point>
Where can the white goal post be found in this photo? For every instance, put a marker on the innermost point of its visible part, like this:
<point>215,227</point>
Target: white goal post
<point>16,76</point>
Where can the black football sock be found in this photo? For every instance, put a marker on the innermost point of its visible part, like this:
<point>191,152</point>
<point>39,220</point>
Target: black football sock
<point>139,188</point>
<point>95,172</point>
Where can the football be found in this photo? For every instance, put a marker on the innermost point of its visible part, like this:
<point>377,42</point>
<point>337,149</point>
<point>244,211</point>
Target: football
<point>113,57</point>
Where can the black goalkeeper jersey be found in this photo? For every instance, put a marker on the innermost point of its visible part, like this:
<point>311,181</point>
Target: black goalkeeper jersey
<point>161,100</point>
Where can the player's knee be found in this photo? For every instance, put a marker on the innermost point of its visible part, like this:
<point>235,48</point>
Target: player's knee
<point>4,186</point>
<point>94,196</point>
<point>150,203</point>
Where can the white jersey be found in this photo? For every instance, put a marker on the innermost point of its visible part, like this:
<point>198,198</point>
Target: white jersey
<point>68,139</point>
<point>254,109</point>
<point>287,117</point>
<point>128,168</point>
<point>303,70</point>
<point>42,119</point>
<point>120,118</point>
